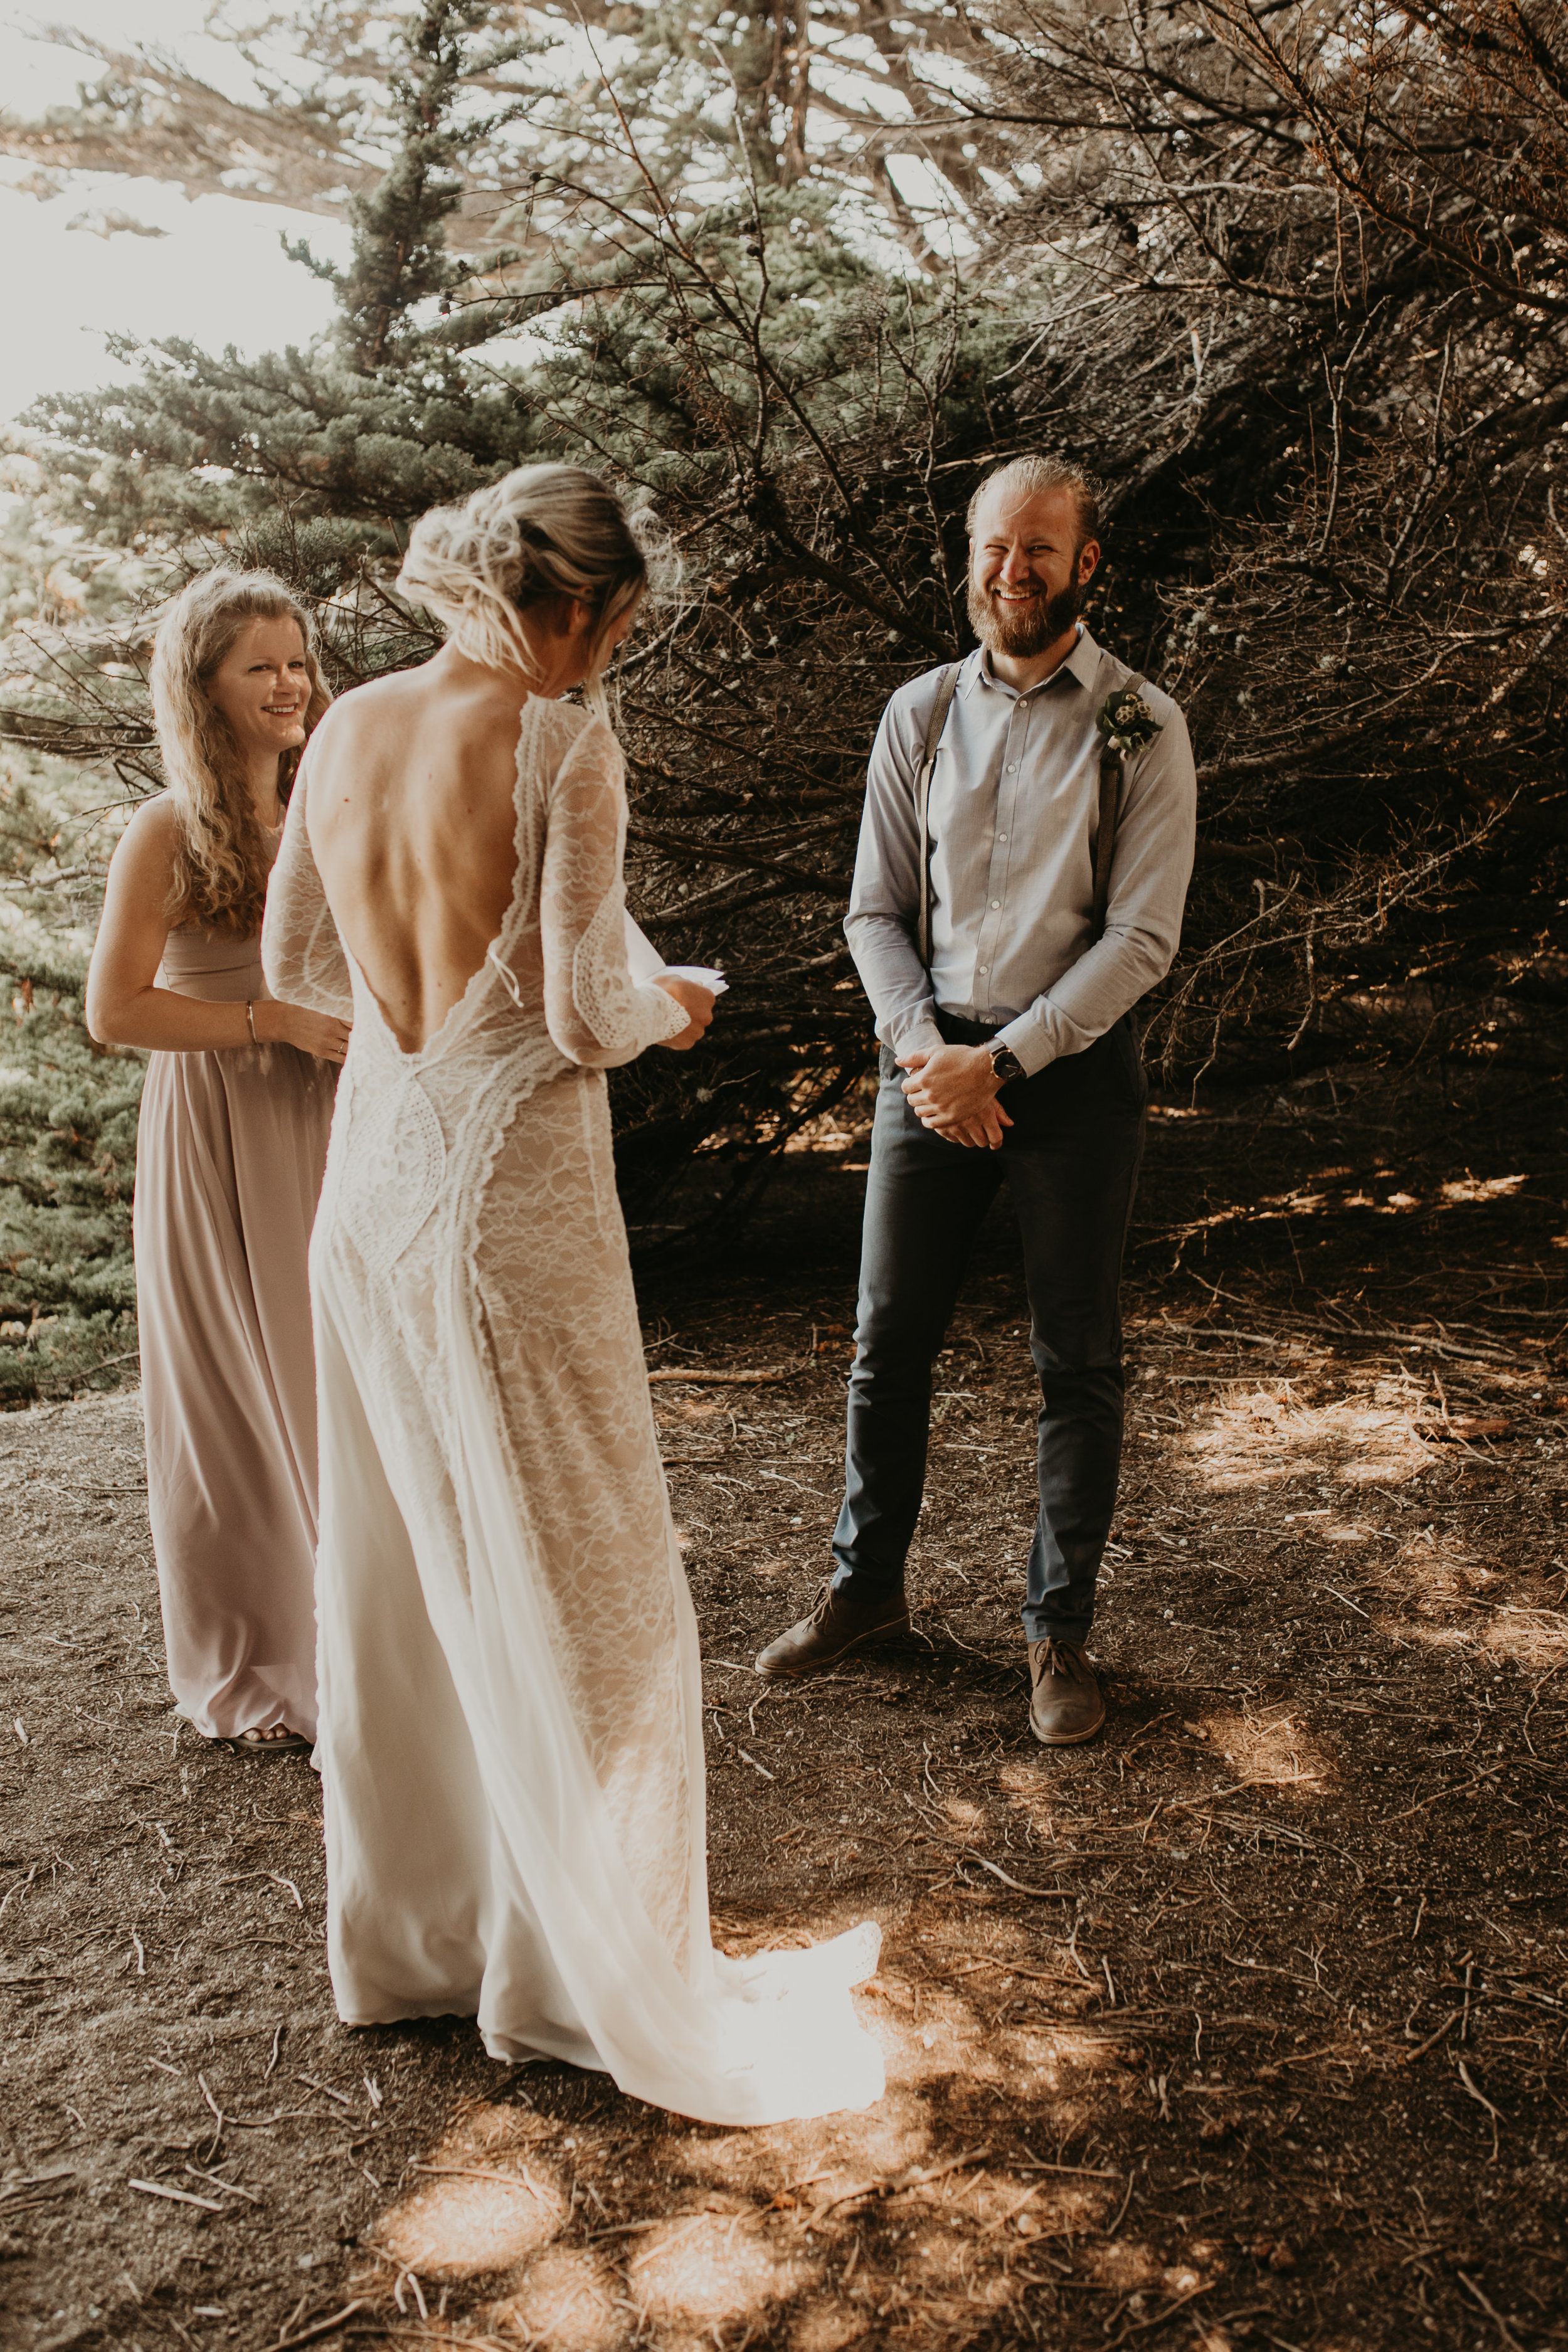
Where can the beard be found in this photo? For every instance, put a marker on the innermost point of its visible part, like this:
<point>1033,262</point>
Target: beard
<point>1024,630</point>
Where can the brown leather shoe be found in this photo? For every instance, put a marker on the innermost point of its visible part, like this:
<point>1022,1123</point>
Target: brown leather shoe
<point>1065,1704</point>
<point>835,1627</point>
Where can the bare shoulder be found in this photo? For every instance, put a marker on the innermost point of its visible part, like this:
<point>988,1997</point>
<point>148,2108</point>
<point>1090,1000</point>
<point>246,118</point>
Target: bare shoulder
<point>356,743</point>
<point>149,842</point>
<point>378,702</point>
<point>141,871</point>
<point>386,709</point>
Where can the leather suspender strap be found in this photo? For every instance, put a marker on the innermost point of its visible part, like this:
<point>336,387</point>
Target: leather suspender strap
<point>1112,770</point>
<point>939,709</point>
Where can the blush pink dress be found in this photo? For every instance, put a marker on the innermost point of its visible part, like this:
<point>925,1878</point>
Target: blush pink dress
<point>230,1150</point>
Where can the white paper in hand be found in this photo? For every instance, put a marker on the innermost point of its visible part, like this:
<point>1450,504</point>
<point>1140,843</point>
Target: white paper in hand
<point>703,976</point>
<point>644,962</point>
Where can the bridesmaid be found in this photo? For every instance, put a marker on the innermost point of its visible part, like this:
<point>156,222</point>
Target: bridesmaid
<point>231,1146</point>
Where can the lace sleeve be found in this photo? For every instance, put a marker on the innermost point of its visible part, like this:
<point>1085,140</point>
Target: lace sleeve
<point>302,954</point>
<point>596,1014</point>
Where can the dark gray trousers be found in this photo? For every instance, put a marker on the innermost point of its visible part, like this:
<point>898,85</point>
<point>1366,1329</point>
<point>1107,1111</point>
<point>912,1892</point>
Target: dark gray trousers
<point>1070,1164</point>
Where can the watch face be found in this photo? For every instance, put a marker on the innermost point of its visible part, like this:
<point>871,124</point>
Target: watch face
<point>1005,1063</point>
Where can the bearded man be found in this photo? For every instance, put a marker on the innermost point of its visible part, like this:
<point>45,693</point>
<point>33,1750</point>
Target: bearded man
<point>1024,860</point>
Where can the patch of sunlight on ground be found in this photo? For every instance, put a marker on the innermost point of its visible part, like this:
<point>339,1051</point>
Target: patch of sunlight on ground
<point>826,2328</point>
<point>1535,1637</point>
<point>1531,1638</point>
<point>692,2276</point>
<point>1266,1436</point>
<point>1053,2048</point>
<point>1050,2210</point>
<point>756,2256</point>
<point>1449,1599</point>
<point>568,2300</point>
<point>449,2229</point>
<point>892,2137</point>
<point>1475,1188</point>
<point>1267,1755</point>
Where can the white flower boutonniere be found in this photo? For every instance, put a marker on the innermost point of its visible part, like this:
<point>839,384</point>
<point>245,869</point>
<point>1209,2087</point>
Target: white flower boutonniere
<point>1127,722</point>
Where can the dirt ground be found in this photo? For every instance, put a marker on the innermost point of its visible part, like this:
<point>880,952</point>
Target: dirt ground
<point>1244,2026</point>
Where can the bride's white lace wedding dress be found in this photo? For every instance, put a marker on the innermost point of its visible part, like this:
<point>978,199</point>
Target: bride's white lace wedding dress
<point>510,1743</point>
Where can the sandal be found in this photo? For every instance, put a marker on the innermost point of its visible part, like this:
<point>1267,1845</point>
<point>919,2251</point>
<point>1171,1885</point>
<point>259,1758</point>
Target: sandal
<point>251,1743</point>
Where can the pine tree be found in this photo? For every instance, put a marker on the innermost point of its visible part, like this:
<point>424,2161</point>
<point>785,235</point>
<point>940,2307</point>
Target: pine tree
<point>68,1110</point>
<point>788,404</point>
<point>847,94</point>
<point>400,250</point>
<point>1304,505</point>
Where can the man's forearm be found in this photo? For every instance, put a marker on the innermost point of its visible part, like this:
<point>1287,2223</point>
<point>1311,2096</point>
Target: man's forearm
<point>1089,998</point>
<point>894,979</point>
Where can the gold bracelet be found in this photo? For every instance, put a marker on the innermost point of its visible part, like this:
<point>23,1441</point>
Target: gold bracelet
<point>250,1021</point>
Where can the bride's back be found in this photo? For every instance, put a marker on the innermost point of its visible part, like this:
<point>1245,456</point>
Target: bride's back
<point>411,815</point>
<point>410,781</point>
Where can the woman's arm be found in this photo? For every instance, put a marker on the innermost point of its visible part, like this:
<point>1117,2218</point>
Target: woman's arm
<point>596,1014</point>
<point>301,953</point>
<point>125,1005</point>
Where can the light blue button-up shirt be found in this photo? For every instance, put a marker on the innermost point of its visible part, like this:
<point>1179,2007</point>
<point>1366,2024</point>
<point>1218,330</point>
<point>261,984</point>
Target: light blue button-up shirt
<point>1013,816</point>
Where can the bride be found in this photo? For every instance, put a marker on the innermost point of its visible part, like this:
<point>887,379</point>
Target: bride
<point>510,1740</point>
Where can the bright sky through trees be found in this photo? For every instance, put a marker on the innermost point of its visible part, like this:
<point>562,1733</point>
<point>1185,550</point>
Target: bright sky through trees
<point>217,272</point>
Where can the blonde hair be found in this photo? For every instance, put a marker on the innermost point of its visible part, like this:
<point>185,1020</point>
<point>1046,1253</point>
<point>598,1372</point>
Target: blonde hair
<point>541,533</point>
<point>221,856</point>
<point>1028,477</point>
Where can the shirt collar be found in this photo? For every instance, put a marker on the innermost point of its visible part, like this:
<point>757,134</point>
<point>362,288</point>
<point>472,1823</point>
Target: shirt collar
<point>1081,665</point>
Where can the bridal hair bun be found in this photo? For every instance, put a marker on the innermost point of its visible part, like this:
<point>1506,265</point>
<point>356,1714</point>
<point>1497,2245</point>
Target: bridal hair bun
<point>539,532</point>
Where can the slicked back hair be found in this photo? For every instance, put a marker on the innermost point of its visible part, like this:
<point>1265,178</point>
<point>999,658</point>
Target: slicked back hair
<point>1025,478</point>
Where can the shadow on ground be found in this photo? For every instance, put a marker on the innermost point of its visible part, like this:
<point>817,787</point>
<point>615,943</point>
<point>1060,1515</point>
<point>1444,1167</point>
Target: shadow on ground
<point>1242,2027</point>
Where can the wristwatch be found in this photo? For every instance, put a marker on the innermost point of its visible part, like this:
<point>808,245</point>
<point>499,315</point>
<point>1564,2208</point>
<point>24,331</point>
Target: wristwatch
<point>1004,1061</point>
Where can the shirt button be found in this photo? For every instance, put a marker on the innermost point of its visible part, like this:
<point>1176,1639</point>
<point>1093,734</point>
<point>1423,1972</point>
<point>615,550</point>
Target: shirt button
<point>1012,767</point>
<point>1001,836</point>
<point>995,902</point>
<point>982,968</point>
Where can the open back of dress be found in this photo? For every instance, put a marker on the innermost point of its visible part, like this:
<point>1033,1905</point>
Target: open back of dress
<point>511,1741</point>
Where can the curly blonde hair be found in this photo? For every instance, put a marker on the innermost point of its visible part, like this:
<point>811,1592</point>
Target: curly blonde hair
<point>222,857</point>
<point>541,533</point>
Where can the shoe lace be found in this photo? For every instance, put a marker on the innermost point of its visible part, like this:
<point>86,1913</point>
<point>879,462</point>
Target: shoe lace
<point>1054,1659</point>
<point>823,1602</point>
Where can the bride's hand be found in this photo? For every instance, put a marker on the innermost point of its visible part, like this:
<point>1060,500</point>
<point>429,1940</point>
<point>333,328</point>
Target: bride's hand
<point>696,1002</point>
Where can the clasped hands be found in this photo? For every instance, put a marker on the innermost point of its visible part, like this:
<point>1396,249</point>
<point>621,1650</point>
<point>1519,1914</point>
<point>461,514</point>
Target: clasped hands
<point>952,1090</point>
